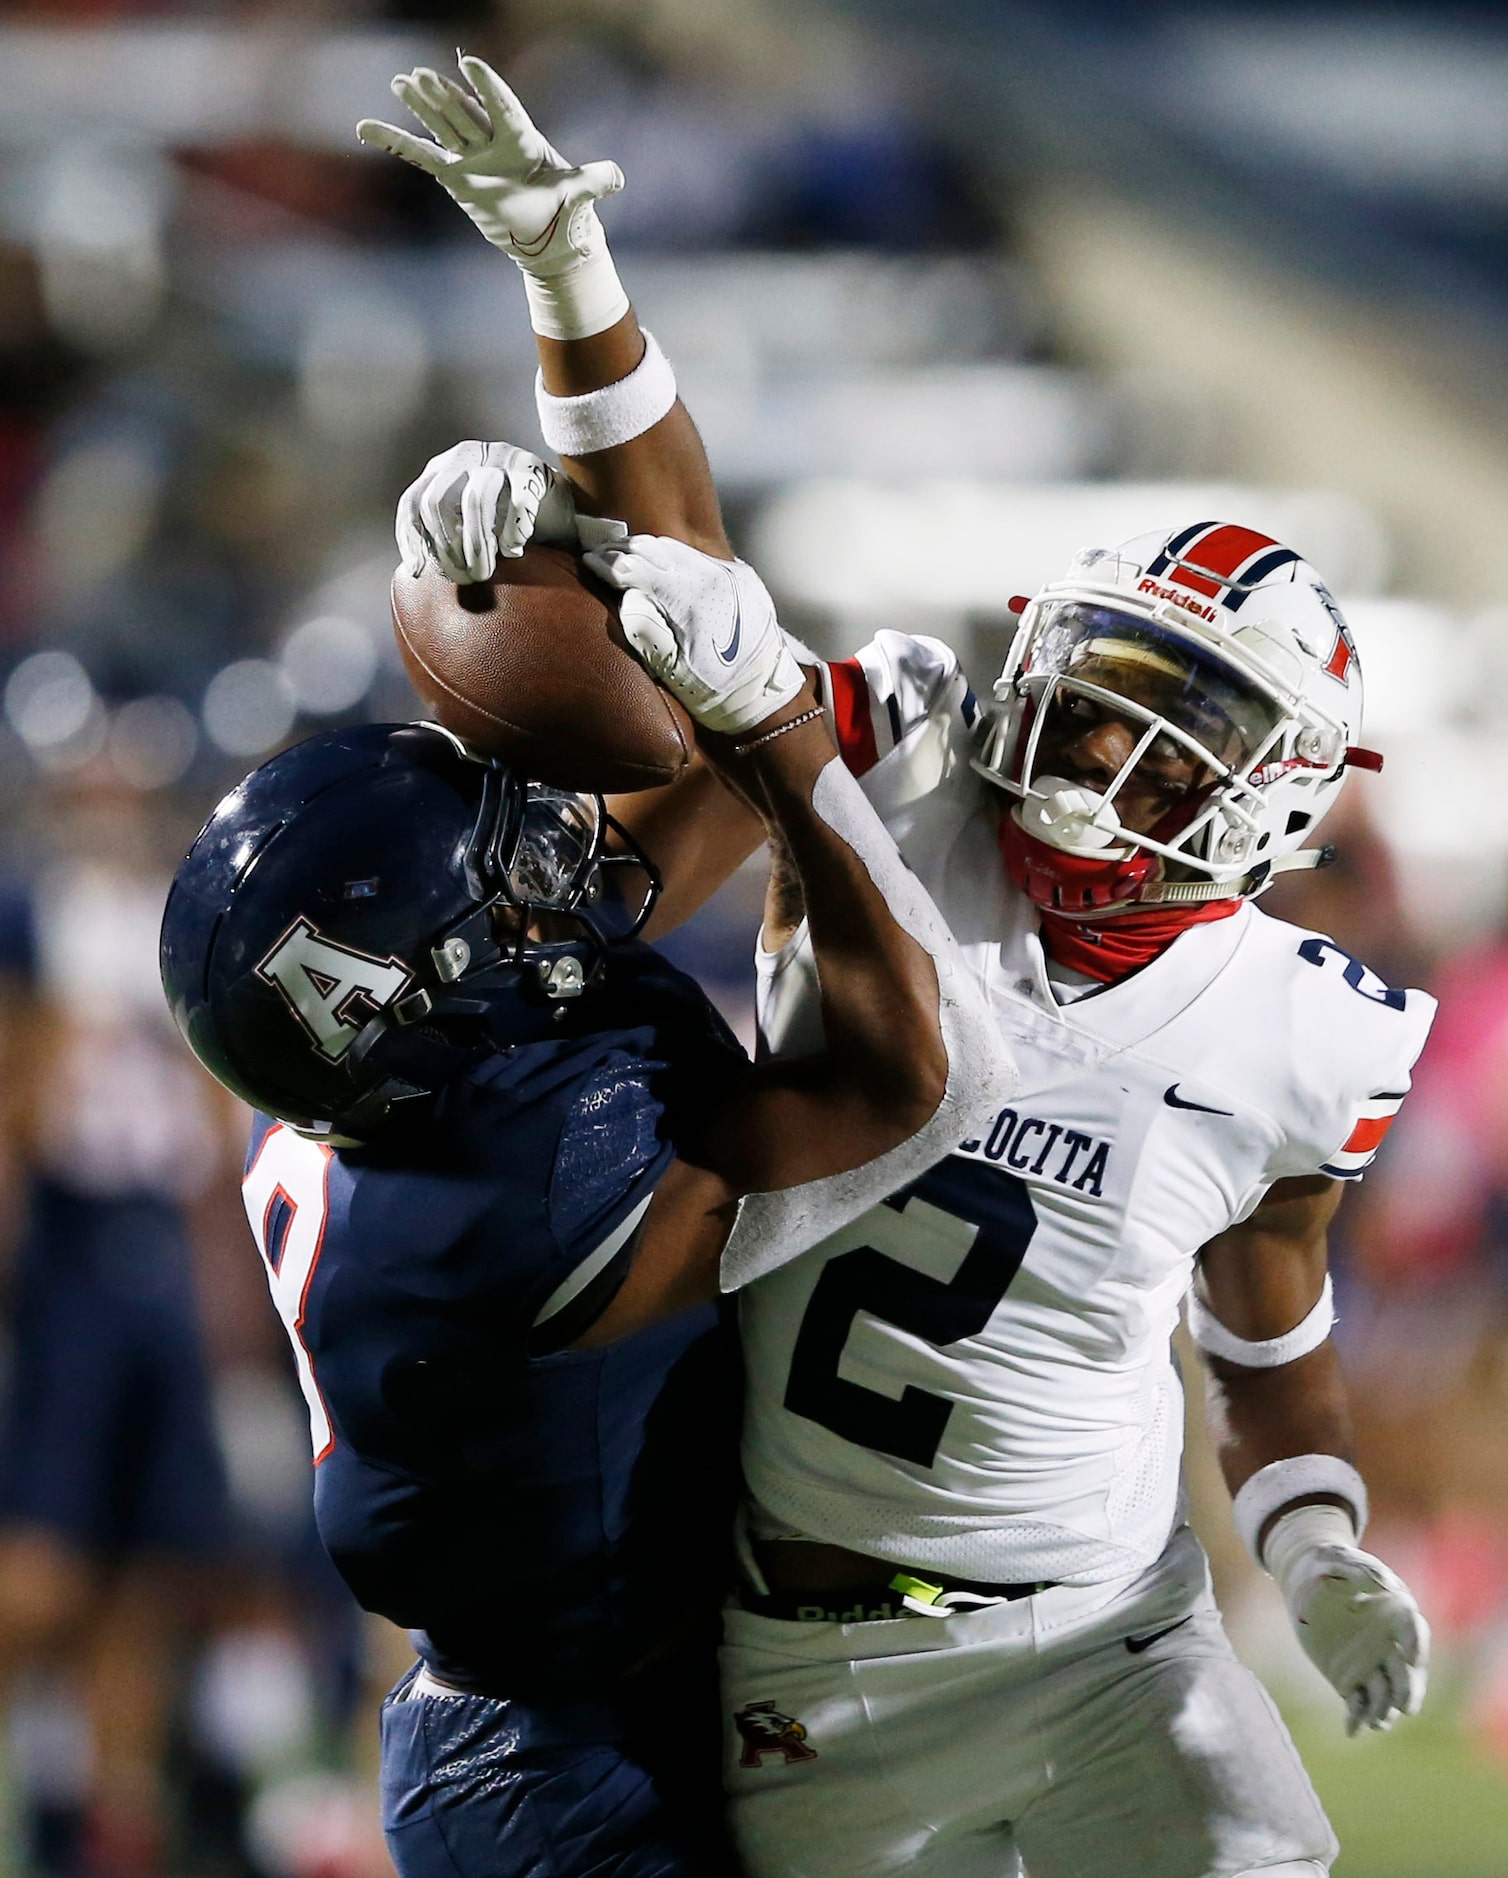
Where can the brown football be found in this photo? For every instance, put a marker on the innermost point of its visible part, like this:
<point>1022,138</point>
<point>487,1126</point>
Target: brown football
<point>531,667</point>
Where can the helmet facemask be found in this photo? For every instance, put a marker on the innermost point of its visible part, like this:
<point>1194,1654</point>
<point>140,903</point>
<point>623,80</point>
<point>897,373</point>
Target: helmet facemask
<point>550,897</point>
<point>1208,720</point>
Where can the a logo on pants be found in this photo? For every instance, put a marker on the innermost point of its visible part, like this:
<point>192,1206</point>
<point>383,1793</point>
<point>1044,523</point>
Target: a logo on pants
<point>764,1730</point>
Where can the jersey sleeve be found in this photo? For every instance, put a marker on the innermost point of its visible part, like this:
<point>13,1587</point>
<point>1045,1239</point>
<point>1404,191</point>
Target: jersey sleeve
<point>608,1160</point>
<point>1355,1042</point>
<point>898,681</point>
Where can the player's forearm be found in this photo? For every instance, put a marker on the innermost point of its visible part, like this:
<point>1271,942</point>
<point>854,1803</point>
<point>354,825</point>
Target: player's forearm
<point>659,482</point>
<point>697,831</point>
<point>880,999</point>
<point>1263,1415</point>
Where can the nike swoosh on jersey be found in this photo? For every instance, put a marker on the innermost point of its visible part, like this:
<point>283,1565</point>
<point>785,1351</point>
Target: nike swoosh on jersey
<point>1174,1100</point>
<point>1137,1644</point>
<point>729,652</point>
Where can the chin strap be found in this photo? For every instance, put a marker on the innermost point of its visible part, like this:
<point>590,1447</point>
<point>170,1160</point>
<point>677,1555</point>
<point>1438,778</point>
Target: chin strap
<point>1105,918</point>
<point>1199,892</point>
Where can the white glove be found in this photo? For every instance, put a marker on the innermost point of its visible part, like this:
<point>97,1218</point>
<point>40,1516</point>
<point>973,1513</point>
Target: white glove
<point>705,628</point>
<point>478,503</point>
<point>518,189</point>
<point>1356,1619</point>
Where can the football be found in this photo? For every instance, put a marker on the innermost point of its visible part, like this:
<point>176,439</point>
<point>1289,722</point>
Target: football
<point>531,667</point>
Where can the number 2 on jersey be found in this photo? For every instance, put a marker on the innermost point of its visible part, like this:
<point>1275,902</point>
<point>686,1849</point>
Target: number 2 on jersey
<point>983,1209</point>
<point>286,1197</point>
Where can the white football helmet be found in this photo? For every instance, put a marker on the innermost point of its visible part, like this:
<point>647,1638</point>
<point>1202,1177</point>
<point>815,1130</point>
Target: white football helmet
<point>1226,655</point>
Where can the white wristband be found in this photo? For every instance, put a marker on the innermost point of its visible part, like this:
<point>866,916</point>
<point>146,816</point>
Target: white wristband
<point>1280,1483</point>
<point>597,420</point>
<point>582,299</point>
<point>1211,1335</point>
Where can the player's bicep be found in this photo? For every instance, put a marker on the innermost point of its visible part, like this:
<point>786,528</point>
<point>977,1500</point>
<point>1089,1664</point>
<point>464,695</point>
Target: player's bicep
<point>779,1125</point>
<point>784,1123</point>
<point>670,1264</point>
<point>1264,1276</point>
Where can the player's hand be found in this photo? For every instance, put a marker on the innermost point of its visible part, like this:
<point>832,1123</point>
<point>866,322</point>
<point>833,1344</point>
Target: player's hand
<point>518,189</point>
<point>1362,1630</point>
<point>706,629</point>
<point>478,503</point>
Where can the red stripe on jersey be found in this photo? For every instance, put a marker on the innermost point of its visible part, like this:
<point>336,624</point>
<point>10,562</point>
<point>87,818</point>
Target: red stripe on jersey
<point>1366,1134</point>
<point>1222,552</point>
<point>852,724</point>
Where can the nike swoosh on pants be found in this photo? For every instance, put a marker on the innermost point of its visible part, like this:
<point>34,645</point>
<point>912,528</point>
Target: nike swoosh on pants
<point>1137,1644</point>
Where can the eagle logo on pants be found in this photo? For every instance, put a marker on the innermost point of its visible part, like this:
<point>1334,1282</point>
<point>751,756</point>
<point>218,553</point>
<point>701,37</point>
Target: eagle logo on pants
<point>764,1730</point>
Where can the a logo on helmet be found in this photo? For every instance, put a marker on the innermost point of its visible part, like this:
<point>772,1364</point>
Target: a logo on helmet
<point>1186,601</point>
<point>1343,652</point>
<point>331,989</point>
<point>764,1730</point>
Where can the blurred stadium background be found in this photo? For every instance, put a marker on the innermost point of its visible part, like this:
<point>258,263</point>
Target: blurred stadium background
<point>952,291</point>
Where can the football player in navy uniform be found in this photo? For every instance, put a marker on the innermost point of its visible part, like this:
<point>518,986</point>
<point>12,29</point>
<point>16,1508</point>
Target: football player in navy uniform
<point>506,1157</point>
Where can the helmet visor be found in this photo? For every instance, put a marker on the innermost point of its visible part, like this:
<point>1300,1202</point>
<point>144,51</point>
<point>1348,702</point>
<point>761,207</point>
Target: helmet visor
<point>1163,716</point>
<point>1210,719</point>
<point>559,865</point>
<point>559,835</point>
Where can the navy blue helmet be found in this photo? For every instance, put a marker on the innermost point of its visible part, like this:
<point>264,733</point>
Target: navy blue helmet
<point>349,915</point>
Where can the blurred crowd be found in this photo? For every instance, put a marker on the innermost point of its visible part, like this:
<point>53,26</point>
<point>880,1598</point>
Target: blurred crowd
<point>226,343</point>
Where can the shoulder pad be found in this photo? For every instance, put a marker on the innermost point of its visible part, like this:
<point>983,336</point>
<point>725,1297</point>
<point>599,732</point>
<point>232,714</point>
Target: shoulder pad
<point>879,696</point>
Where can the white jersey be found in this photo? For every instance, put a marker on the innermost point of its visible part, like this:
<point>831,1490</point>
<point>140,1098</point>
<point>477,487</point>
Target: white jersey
<point>977,1376</point>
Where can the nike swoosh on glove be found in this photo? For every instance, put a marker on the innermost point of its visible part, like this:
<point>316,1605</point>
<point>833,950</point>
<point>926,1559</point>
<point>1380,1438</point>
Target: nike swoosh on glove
<point>477,503</point>
<point>706,629</point>
<point>517,188</point>
<point>1357,1620</point>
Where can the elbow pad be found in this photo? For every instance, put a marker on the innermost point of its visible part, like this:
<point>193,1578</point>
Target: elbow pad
<point>772,1228</point>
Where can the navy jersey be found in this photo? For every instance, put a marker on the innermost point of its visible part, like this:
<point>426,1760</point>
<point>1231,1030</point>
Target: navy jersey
<point>545,1517</point>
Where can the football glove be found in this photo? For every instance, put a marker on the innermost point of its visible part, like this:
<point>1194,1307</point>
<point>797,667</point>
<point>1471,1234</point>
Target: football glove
<point>516,187</point>
<point>706,629</point>
<point>1356,1618</point>
<point>478,503</point>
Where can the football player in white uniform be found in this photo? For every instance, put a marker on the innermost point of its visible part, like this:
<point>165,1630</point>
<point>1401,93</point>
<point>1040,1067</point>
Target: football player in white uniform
<point>976,1631</point>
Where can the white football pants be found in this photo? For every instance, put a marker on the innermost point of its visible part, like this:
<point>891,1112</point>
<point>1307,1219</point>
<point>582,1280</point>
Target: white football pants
<point>1095,1732</point>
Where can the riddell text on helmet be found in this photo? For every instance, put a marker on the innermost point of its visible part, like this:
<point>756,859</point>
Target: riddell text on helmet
<point>1185,600</point>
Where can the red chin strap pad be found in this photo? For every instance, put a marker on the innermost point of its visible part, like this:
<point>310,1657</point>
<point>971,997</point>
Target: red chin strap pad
<point>1069,883</point>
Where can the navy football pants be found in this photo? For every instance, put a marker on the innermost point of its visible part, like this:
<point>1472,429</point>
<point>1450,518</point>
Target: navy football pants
<point>476,1787</point>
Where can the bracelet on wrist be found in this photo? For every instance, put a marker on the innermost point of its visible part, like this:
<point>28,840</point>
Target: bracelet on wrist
<point>769,736</point>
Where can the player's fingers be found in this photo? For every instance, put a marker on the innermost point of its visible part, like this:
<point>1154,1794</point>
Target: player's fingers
<point>420,91</point>
<point>413,548</point>
<point>508,116</point>
<point>1410,1680</point>
<point>465,113</point>
<point>647,631</point>
<point>593,181</point>
<point>459,126</point>
<point>621,568</point>
<point>483,497</point>
<point>1407,1662</point>
<point>440,518</point>
<point>402,143</point>
<point>600,531</point>
<point>1372,1704</point>
<point>526,485</point>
